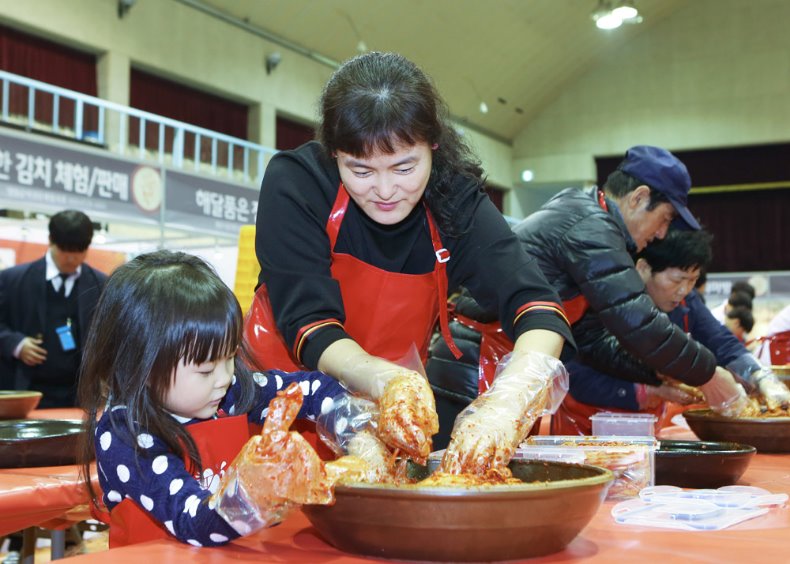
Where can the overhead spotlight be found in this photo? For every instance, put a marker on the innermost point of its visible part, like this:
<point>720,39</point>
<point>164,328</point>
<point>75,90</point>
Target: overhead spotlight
<point>625,10</point>
<point>483,108</point>
<point>527,175</point>
<point>272,60</point>
<point>606,17</point>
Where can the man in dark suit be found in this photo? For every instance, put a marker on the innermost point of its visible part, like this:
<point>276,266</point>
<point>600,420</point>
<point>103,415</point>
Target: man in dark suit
<point>45,311</point>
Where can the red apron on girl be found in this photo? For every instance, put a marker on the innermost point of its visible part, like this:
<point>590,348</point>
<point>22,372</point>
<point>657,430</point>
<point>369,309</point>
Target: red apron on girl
<point>218,441</point>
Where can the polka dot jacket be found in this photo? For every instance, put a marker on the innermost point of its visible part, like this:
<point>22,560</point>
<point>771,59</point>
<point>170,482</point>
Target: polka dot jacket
<point>161,484</point>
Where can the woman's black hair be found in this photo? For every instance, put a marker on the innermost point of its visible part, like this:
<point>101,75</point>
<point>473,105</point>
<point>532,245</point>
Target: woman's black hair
<point>376,101</point>
<point>681,249</point>
<point>154,311</point>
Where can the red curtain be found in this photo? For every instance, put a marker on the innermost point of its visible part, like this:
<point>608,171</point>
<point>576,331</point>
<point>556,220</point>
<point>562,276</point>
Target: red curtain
<point>292,134</point>
<point>54,64</point>
<point>183,103</point>
<point>751,229</point>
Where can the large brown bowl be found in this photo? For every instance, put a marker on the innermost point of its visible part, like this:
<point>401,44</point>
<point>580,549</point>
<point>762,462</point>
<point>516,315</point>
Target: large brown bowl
<point>17,404</point>
<point>503,522</point>
<point>766,434</point>
<point>38,442</point>
<point>701,464</point>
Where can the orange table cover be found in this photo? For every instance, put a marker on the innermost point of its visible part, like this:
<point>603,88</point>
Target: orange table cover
<point>52,497</point>
<point>764,538</point>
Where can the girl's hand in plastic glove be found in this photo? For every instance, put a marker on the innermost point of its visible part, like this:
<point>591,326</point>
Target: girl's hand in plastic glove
<point>274,472</point>
<point>775,393</point>
<point>407,418</point>
<point>724,395</point>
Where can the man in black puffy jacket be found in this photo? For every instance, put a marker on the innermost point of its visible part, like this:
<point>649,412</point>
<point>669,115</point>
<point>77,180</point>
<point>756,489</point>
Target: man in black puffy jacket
<point>584,241</point>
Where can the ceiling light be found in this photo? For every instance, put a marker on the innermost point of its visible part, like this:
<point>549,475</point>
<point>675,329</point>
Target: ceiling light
<point>625,10</point>
<point>527,175</point>
<point>483,108</point>
<point>606,17</point>
<point>609,21</point>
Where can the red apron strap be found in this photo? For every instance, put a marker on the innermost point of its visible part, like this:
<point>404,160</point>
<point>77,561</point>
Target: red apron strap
<point>440,274</point>
<point>336,215</point>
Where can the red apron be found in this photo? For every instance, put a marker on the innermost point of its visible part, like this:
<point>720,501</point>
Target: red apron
<point>573,417</point>
<point>386,312</point>
<point>778,348</point>
<point>218,441</point>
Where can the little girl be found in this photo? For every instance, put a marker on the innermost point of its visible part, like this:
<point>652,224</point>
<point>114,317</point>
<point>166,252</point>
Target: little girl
<point>163,362</point>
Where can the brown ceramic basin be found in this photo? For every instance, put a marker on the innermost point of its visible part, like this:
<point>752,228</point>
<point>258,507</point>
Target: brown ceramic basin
<point>503,522</point>
<point>701,464</point>
<point>38,442</point>
<point>17,404</point>
<point>766,434</point>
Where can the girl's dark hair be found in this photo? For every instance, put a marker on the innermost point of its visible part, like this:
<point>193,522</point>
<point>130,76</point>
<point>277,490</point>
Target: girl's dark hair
<point>155,310</point>
<point>376,101</point>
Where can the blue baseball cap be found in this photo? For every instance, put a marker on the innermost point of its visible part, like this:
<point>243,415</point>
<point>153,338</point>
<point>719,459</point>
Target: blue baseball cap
<point>662,171</point>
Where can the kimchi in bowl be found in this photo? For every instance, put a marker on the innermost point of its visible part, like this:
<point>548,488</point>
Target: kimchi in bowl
<point>766,434</point>
<point>541,515</point>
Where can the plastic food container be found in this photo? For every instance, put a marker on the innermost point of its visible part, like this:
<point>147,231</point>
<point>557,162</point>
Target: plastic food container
<point>624,424</point>
<point>631,459</point>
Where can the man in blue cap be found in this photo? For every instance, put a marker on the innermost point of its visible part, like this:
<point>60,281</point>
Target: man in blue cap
<point>584,242</point>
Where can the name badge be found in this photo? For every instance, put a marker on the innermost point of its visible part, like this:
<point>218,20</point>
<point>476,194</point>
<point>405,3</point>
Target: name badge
<point>66,338</point>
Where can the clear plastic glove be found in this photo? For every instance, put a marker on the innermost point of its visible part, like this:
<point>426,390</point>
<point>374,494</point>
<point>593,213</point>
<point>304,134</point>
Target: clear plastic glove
<point>275,472</point>
<point>348,416</point>
<point>407,410</point>
<point>650,397</point>
<point>407,415</point>
<point>488,431</point>
<point>724,395</point>
<point>775,393</point>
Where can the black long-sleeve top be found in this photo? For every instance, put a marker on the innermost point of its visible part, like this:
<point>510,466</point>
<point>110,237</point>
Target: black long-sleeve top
<point>297,194</point>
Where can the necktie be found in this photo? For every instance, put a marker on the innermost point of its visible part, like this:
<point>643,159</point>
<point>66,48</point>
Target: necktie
<point>62,290</point>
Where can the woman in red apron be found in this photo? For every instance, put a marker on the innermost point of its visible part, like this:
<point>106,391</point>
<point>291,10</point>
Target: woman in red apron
<point>176,407</point>
<point>360,235</point>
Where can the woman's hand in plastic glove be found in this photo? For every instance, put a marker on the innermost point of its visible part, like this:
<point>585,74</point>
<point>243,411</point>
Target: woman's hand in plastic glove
<point>724,395</point>
<point>488,431</point>
<point>407,418</point>
<point>652,396</point>
<point>480,442</point>
<point>775,393</point>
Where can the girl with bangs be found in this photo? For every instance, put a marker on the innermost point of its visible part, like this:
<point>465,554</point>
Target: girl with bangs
<point>169,398</point>
<point>359,236</point>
